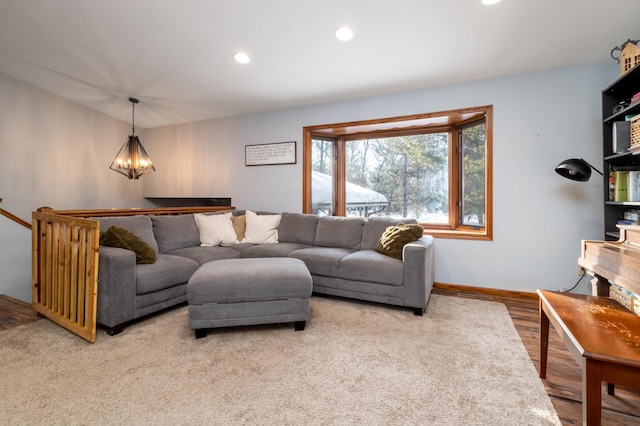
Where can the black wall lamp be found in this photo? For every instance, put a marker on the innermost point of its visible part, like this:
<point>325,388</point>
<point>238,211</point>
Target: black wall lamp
<point>576,169</point>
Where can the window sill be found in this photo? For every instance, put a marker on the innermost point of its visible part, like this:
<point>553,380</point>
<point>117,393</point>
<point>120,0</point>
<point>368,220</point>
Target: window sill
<point>461,234</point>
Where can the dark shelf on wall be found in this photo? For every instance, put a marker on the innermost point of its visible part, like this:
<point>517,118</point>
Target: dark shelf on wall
<point>189,201</point>
<point>625,85</point>
<point>621,90</point>
<point>623,203</point>
<point>622,157</point>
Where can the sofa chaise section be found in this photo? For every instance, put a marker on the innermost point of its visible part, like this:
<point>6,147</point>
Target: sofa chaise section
<point>127,290</point>
<point>343,262</point>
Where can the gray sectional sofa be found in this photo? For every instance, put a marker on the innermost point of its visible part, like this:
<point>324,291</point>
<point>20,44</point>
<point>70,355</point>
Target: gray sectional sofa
<point>338,251</point>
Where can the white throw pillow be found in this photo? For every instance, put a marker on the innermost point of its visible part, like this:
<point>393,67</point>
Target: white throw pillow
<point>216,229</point>
<point>261,229</point>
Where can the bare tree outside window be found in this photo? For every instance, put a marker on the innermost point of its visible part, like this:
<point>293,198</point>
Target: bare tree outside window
<point>473,174</point>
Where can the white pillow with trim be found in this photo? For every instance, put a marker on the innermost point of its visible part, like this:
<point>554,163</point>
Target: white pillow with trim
<point>216,229</point>
<point>261,229</point>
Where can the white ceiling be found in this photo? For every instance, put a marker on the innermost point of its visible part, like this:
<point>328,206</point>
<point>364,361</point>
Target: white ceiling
<point>175,56</point>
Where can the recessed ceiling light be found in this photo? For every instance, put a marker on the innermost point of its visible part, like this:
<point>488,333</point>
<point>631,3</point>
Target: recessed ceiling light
<point>490,2</point>
<point>344,33</point>
<point>242,58</point>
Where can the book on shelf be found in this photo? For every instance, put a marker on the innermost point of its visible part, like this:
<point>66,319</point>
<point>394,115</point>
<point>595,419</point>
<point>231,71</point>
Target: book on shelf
<point>633,185</point>
<point>620,185</point>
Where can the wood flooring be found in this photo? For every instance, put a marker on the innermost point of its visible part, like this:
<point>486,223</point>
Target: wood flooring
<point>564,377</point>
<point>15,312</point>
<point>563,382</point>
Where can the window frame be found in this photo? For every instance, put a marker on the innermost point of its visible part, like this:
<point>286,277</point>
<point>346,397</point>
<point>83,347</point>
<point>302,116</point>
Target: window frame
<point>435,122</point>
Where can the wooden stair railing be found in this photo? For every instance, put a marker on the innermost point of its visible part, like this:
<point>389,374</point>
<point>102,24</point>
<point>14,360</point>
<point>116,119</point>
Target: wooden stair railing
<point>14,218</point>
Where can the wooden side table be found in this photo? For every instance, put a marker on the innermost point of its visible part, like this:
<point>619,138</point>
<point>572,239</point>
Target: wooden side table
<point>602,336</point>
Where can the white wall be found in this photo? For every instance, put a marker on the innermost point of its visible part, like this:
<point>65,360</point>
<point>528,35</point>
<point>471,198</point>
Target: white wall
<point>54,153</point>
<point>539,217</point>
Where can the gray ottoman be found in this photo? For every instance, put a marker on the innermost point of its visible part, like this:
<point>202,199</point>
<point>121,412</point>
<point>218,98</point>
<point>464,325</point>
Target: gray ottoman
<point>232,292</point>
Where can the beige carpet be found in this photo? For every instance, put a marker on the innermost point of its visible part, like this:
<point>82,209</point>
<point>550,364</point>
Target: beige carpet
<point>463,363</point>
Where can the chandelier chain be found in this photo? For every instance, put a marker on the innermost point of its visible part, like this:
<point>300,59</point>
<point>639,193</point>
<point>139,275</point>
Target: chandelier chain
<point>133,118</point>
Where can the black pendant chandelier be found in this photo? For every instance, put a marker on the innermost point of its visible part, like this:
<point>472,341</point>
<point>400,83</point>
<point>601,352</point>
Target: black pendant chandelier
<point>132,160</point>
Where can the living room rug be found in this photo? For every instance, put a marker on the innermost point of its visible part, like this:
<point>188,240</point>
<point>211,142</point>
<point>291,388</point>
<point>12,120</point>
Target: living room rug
<point>463,363</point>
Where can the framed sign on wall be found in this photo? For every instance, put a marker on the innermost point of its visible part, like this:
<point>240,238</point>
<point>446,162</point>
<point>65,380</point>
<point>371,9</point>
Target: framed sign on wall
<point>270,153</point>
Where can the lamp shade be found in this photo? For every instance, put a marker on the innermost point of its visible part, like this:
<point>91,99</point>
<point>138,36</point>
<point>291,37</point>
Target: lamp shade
<point>575,169</point>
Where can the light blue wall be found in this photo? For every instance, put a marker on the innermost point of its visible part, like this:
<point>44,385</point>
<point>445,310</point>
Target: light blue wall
<point>56,153</point>
<point>15,278</point>
<point>540,119</point>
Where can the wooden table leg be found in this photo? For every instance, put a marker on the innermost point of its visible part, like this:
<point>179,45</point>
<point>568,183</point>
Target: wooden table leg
<point>544,340</point>
<point>592,393</point>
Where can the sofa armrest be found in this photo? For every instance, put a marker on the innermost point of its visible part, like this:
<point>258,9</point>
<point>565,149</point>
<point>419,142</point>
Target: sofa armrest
<point>418,272</point>
<point>116,286</point>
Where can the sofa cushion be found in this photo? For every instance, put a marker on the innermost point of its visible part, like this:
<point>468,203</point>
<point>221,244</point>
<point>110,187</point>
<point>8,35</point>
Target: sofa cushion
<point>241,247</point>
<point>396,237</point>
<point>175,232</point>
<point>375,226</point>
<point>343,232</point>
<point>298,228</point>
<point>272,250</point>
<point>216,229</point>
<point>139,225</point>
<point>117,236</point>
<point>261,229</point>
<point>371,266</point>
<point>322,260</point>
<point>203,255</point>
<point>168,271</point>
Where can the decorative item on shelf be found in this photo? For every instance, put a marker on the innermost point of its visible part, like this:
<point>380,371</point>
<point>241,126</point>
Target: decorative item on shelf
<point>634,134</point>
<point>632,216</point>
<point>576,169</point>
<point>621,105</point>
<point>612,185</point>
<point>629,55</point>
<point>132,160</point>
<point>620,137</point>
